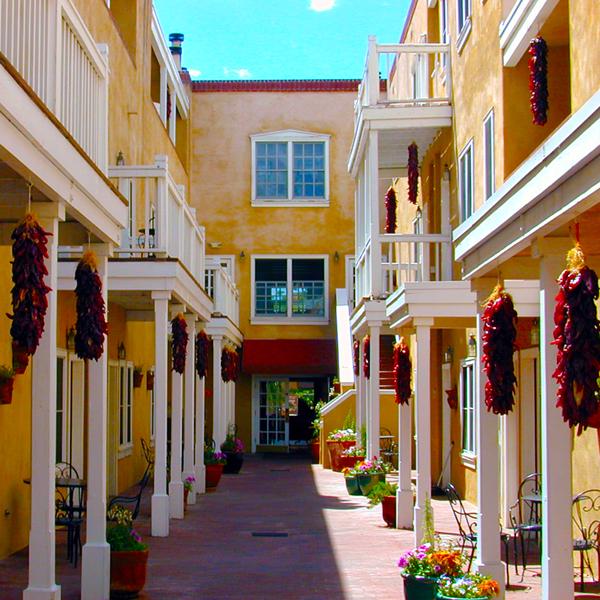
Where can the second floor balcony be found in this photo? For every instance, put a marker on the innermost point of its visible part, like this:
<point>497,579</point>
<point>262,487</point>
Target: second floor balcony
<point>223,291</point>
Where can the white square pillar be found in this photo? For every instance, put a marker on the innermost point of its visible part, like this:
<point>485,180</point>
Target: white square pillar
<point>199,469</point>
<point>404,495</point>
<point>373,420</point>
<point>219,413</point>
<point>189,391</point>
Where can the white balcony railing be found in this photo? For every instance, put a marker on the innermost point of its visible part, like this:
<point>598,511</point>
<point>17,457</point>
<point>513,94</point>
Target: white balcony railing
<point>405,75</point>
<point>50,46</point>
<point>222,289</point>
<point>161,223</point>
<point>404,258</point>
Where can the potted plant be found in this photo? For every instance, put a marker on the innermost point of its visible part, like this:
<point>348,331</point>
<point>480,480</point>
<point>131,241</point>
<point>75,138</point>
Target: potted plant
<point>214,460</point>
<point>370,473</point>
<point>350,456</point>
<point>7,379</point>
<point>469,585</point>
<point>128,555</point>
<point>351,480</point>
<point>385,494</point>
<point>315,425</point>
<point>138,375</point>
<point>233,448</point>
<point>337,441</point>
<point>188,486</point>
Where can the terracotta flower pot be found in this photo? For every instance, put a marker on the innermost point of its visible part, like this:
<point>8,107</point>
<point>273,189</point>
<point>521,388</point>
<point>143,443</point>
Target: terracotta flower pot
<point>419,588</point>
<point>349,461</point>
<point>335,448</point>
<point>213,475</point>
<point>6,390</point>
<point>388,510</point>
<point>186,493</point>
<point>315,448</point>
<point>127,573</point>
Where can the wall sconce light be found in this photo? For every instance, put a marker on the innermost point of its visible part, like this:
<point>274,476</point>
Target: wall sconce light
<point>336,256</point>
<point>120,159</point>
<point>448,354</point>
<point>215,245</point>
<point>535,333</point>
<point>472,346</point>
<point>121,351</point>
<point>71,338</point>
<point>242,255</point>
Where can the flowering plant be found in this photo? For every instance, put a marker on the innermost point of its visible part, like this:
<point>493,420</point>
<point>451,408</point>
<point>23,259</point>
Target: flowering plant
<point>342,435</point>
<point>429,561</point>
<point>188,483</point>
<point>214,457</point>
<point>354,451</point>
<point>469,585</point>
<point>232,444</point>
<point>120,536</point>
<point>374,466</point>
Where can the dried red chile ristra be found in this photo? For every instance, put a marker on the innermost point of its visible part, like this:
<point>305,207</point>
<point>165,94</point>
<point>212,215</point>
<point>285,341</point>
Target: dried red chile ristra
<point>402,372</point>
<point>179,343</point>
<point>413,173</point>
<point>499,335</point>
<point>90,327</point>
<point>202,345</point>
<point>356,357</point>
<point>390,210</point>
<point>230,364</point>
<point>367,356</point>
<point>577,337</point>
<point>538,80</point>
<point>29,301</point>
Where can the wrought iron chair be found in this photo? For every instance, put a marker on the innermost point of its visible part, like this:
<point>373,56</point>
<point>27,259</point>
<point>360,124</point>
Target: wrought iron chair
<point>467,527</point>
<point>526,515</point>
<point>586,528</point>
<point>136,499</point>
<point>69,507</point>
<point>388,448</point>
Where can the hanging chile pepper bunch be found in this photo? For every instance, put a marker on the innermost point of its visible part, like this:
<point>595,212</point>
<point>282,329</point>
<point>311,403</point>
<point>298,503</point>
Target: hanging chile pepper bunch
<point>367,356</point>
<point>90,326</point>
<point>178,343</point>
<point>538,80</point>
<point>390,210</point>
<point>237,363</point>
<point>202,345</point>
<point>413,173</point>
<point>29,302</point>
<point>356,357</point>
<point>229,364</point>
<point>499,335</point>
<point>402,372</point>
<point>577,337</point>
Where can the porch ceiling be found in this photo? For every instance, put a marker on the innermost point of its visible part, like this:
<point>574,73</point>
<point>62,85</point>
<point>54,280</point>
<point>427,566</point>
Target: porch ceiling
<point>393,145</point>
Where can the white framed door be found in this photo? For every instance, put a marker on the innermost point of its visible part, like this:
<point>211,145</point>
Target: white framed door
<point>271,414</point>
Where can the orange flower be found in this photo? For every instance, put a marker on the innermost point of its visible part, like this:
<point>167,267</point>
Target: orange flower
<point>488,588</point>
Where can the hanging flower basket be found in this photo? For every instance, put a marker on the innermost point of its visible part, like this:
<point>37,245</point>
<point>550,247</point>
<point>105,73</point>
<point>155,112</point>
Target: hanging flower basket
<point>29,301</point>
<point>202,346</point>
<point>413,173</point>
<point>367,356</point>
<point>149,380</point>
<point>7,380</point>
<point>390,210</point>
<point>499,335</point>
<point>577,337</point>
<point>179,343</point>
<point>356,357</point>
<point>138,376</point>
<point>452,398</point>
<point>91,324</point>
<point>538,80</point>
<point>402,372</point>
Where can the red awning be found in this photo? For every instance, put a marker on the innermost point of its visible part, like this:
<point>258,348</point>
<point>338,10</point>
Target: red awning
<point>290,357</point>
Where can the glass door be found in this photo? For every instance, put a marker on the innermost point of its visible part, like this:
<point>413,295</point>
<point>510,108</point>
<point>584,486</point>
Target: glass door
<point>273,414</point>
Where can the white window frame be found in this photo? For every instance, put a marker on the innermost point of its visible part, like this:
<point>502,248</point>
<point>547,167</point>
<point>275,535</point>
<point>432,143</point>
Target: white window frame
<point>289,320</point>
<point>463,26</point>
<point>64,450</point>
<point>350,277</point>
<point>468,406</point>
<point>290,136</point>
<point>444,29</point>
<point>489,167</point>
<point>467,154</point>
<point>125,400</point>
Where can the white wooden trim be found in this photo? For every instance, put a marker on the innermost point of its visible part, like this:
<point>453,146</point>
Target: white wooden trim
<point>489,118</point>
<point>468,456</point>
<point>469,148</point>
<point>463,36</point>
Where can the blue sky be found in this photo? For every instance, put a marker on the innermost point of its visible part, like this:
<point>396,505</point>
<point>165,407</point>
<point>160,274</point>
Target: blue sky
<point>279,39</point>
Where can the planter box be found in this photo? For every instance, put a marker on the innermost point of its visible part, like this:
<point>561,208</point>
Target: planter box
<point>419,588</point>
<point>315,449</point>
<point>352,486</point>
<point>335,450</point>
<point>368,482</point>
<point>127,573</point>
<point>213,475</point>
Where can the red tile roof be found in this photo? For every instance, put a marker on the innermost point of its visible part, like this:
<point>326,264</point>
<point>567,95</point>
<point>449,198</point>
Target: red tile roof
<point>278,85</point>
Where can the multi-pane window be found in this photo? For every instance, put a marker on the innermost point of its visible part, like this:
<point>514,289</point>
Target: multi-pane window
<point>289,287</point>
<point>125,405</point>
<point>463,12</point>
<point>467,403</point>
<point>465,182</point>
<point>290,167</point>
<point>488,155</point>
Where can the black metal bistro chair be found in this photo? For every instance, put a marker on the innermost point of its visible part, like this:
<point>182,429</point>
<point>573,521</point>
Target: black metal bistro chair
<point>586,528</point>
<point>467,527</point>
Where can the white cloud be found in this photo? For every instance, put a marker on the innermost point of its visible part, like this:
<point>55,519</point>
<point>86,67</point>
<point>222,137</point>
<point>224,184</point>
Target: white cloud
<point>194,72</point>
<point>322,5</point>
<point>241,73</point>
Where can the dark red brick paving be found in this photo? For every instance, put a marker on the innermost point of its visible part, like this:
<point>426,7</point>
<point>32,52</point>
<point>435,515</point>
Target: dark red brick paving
<point>336,547</point>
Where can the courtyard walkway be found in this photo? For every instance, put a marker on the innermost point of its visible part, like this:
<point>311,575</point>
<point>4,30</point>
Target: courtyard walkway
<point>280,529</point>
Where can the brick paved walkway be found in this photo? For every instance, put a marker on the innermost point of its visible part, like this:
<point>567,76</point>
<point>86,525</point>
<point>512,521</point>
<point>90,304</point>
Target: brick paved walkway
<point>335,547</point>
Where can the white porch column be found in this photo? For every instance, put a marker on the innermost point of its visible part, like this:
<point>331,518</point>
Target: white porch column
<point>359,384</point>
<point>160,499</point>
<point>190,380</point>
<point>446,424</point>
<point>404,495</point>
<point>373,421</point>
<point>557,556</point>
<point>176,483</point>
<point>199,468</point>
<point>42,563</point>
<point>373,198</point>
<point>218,392</point>
<point>95,566</point>
<point>487,424</point>
<point>423,423</point>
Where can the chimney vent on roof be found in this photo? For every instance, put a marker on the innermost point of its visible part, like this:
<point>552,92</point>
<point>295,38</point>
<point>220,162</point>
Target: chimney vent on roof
<point>176,40</point>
